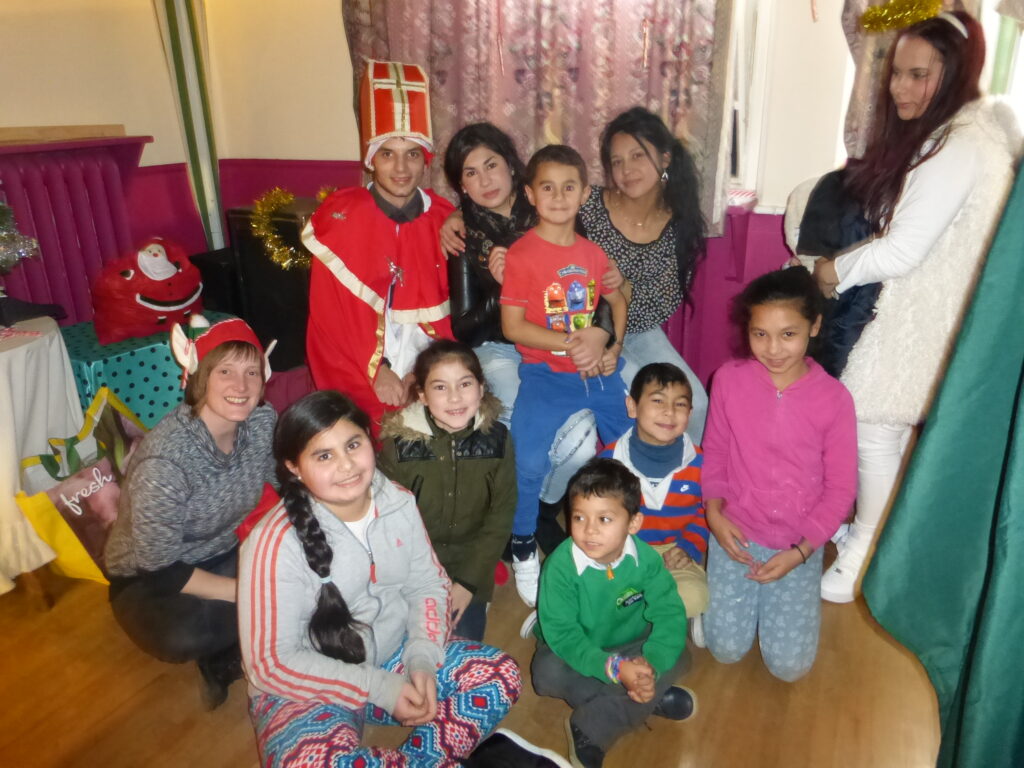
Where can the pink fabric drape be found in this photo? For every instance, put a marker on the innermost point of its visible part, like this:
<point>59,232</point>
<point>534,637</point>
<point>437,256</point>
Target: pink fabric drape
<point>557,72</point>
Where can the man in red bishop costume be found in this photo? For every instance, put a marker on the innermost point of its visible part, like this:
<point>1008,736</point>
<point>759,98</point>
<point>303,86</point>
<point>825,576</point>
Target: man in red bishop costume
<point>378,291</point>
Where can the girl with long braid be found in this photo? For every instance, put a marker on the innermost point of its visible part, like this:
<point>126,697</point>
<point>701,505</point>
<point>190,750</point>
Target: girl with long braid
<point>344,611</point>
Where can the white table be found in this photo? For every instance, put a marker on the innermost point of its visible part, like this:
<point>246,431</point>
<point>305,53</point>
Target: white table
<point>38,400</point>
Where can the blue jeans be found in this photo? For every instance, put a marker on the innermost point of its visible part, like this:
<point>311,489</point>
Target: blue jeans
<point>576,441</point>
<point>546,399</point>
<point>653,346</point>
<point>473,622</point>
<point>500,363</point>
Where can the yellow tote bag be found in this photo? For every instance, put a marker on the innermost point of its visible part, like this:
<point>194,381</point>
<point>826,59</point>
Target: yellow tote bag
<point>73,559</point>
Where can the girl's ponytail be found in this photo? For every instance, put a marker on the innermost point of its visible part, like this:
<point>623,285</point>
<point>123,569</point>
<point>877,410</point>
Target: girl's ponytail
<point>682,194</point>
<point>333,630</point>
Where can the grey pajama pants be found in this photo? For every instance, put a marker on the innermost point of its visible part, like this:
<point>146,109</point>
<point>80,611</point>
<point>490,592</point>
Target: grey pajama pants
<point>603,711</point>
<point>785,614</point>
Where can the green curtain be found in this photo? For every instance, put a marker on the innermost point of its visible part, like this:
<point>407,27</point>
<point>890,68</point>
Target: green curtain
<point>947,580</point>
<point>182,28</point>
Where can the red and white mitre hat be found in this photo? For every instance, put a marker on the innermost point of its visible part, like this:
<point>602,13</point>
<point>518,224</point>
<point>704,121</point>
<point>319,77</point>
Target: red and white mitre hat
<point>192,345</point>
<point>394,102</point>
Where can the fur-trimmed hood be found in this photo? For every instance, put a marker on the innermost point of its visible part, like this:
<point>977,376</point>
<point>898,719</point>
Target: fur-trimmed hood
<point>464,483</point>
<point>413,422</point>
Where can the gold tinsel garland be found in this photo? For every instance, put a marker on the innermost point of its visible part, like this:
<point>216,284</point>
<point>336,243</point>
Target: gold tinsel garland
<point>264,208</point>
<point>897,14</point>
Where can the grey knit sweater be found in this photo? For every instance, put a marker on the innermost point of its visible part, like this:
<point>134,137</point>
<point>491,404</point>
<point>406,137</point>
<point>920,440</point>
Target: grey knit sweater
<point>183,497</point>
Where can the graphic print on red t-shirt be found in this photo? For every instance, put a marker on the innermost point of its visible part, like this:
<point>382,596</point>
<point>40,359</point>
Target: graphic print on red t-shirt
<point>557,285</point>
<point>570,308</point>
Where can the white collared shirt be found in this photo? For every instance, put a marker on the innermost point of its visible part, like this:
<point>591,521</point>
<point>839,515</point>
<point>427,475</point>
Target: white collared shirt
<point>583,562</point>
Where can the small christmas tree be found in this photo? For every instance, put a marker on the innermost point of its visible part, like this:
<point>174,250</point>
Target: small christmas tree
<point>14,246</point>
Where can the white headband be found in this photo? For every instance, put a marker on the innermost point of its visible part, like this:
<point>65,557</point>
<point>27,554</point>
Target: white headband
<point>957,24</point>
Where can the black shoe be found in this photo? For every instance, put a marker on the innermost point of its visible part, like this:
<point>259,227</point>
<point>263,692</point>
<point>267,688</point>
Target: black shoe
<point>505,749</point>
<point>218,672</point>
<point>678,703</point>
<point>583,753</point>
<point>213,690</point>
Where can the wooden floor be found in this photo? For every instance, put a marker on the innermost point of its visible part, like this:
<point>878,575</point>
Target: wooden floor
<point>77,694</point>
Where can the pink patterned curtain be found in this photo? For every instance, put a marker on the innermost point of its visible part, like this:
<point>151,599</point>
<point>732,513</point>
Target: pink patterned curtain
<point>557,72</point>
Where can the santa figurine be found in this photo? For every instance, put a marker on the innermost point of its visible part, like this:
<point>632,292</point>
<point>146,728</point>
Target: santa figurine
<point>146,292</point>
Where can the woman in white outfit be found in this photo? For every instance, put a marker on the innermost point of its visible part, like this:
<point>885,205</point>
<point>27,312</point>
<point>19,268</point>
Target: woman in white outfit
<point>932,182</point>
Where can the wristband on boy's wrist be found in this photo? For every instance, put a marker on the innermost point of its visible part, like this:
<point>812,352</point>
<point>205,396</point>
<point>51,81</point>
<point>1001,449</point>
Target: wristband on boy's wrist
<point>611,667</point>
<point>800,549</point>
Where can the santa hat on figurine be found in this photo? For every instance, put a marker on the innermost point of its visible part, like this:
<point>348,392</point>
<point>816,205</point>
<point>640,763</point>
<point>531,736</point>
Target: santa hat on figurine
<point>394,102</point>
<point>192,345</point>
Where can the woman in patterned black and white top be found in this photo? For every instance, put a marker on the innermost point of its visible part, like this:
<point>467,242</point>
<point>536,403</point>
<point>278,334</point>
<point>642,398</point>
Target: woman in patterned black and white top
<point>648,220</point>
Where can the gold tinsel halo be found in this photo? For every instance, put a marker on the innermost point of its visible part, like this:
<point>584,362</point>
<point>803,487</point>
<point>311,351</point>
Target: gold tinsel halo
<point>897,14</point>
<point>264,208</point>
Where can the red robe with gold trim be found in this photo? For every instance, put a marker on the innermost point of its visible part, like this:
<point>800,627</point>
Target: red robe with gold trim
<point>358,253</point>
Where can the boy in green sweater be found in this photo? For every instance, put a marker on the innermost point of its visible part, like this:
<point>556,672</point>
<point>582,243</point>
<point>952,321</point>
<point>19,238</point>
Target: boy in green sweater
<point>611,627</point>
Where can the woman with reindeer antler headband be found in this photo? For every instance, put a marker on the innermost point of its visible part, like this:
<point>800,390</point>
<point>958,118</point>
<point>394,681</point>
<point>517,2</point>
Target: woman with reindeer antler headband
<point>932,184</point>
<point>172,555</point>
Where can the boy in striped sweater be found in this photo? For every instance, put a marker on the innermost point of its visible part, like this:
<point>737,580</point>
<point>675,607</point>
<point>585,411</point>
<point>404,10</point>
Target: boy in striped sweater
<point>668,463</point>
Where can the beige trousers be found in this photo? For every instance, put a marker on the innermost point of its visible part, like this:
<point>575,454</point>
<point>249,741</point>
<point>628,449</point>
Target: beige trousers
<point>691,581</point>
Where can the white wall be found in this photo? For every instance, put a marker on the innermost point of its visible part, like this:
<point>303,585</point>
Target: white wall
<point>88,62</point>
<point>807,88</point>
<point>281,80</point>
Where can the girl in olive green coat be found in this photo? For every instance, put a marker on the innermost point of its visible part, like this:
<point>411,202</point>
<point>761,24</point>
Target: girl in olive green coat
<point>451,451</point>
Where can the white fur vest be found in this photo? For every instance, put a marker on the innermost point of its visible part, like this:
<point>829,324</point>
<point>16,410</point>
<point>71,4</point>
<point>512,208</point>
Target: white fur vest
<point>896,367</point>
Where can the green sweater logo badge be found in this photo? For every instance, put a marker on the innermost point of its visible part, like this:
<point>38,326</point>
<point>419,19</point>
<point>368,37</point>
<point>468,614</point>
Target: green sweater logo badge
<point>629,597</point>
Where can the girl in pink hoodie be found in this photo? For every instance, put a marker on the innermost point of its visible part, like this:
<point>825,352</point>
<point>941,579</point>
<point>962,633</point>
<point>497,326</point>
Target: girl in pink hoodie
<point>780,473</point>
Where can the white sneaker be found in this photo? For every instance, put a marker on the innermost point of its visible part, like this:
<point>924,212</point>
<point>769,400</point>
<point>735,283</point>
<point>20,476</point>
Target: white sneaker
<point>527,573</point>
<point>840,580</point>
<point>840,536</point>
<point>697,630</point>
<point>527,628</point>
<point>839,583</point>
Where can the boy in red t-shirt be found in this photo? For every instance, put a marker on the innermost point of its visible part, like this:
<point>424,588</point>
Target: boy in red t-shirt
<point>552,284</point>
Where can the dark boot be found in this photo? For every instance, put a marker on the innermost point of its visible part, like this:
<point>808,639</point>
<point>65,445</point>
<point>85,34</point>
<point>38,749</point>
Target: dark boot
<point>583,753</point>
<point>678,703</point>
<point>218,672</point>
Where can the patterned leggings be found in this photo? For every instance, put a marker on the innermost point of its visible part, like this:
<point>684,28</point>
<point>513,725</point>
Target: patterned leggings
<point>476,687</point>
<point>785,614</point>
